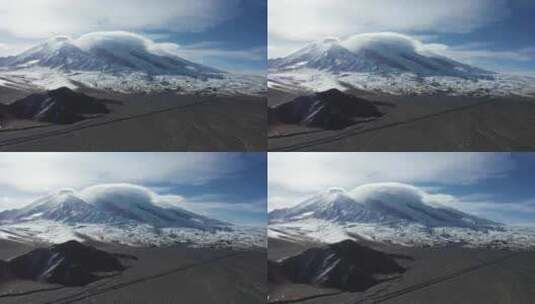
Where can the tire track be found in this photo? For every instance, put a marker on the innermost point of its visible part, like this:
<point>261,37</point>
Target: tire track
<point>307,298</point>
<point>435,281</point>
<point>30,292</point>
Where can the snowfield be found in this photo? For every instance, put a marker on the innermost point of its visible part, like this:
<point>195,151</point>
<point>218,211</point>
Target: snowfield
<point>137,235</point>
<point>43,78</point>
<point>402,84</point>
<point>405,234</point>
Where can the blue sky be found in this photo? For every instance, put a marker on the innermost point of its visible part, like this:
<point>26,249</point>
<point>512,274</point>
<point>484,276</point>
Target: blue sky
<point>497,186</point>
<point>229,35</point>
<point>225,186</point>
<point>492,34</point>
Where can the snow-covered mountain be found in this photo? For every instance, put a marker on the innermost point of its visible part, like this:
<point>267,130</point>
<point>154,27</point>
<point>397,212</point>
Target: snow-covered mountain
<point>385,54</point>
<point>120,62</point>
<point>386,62</point>
<point>118,213</point>
<point>389,212</point>
<point>65,54</point>
<point>378,203</point>
<point>67,206</point>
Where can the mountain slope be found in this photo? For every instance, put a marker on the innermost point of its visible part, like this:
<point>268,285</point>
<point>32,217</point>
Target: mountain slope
<point>382,53</point>
<point>63,53</point>
<point>378,203</point>
<point>120,62</point>
<point>391,213</point>
<point>125,205</point>
<point>124,214</point>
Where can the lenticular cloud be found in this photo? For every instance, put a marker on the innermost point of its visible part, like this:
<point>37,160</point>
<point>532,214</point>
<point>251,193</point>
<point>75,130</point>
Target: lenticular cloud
<point>387,191</point>
<point>385,41</point>
<point>121,40</point>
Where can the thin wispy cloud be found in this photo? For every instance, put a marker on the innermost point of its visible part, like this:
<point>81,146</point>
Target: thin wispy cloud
<point>313,19</point>
<point>45,18</point>
<point>45,172</point>
<point>325,170</point>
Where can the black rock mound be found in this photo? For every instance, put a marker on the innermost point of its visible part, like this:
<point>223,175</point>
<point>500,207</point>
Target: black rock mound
<point>346,266</point>
<point>61,106</point>
<point>4,271</point>
<point>69,264</point>
<point>4,114</point>
<point>330,110</point>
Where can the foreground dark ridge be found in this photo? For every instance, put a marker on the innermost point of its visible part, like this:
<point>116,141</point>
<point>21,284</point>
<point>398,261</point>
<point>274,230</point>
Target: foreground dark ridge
<point>346,266</point>
<point>60,106</point>
<point>150,123</point>
<point>68,264</point>
<point>413,288</point>
<point>93,292</point>
<point>329,110</point>
<point>335,138</point>
<point>24,139</point>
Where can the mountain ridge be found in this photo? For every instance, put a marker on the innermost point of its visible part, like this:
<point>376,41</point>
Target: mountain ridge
<point>384,203</point>
<point>386,53</point>
<point>62,53</point>
<point>67,206</point>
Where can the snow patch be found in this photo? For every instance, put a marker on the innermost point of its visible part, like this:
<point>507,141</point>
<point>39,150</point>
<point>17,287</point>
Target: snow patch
<point>407,234</point>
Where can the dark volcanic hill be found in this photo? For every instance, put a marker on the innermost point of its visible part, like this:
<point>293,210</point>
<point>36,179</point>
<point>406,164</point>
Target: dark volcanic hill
<point>4,271</point>
<point>330,110</point>
<point>60,106</point>
<point>69,264</point>
<point>346,266</point>
<point>4,114</point>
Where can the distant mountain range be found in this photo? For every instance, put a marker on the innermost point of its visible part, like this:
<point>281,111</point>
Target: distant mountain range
<point>380,57</point>
<point>118,65</point>
<point>69,207</point>
<point>390,213</point>
<point>62,53</point>
<point>387,63</point>
<point>122,215</point>
<point>389,204</point>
